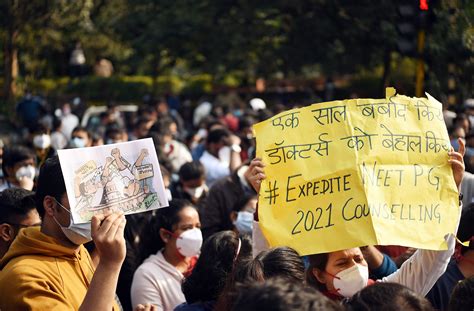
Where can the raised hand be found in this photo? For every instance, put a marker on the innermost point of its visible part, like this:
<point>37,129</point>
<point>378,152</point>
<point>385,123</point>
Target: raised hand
<point>456,159</point>
<point>255,173</point>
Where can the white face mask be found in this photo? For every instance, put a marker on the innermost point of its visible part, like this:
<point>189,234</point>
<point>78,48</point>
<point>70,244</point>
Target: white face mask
<point>244,222</point>
<point>351,280</point>
<point>25,171</point>
<point>195,193</point>
<point>189,242</point>
<point>42,141</point>
<point>76,233</point>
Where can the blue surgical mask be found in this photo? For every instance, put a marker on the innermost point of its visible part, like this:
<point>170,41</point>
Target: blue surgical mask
<point>244,222</point>
<point>78,142</point>
<point>76,233</point>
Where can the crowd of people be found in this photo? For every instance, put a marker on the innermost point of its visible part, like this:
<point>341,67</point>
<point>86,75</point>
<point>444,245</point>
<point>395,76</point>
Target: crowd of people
<point>205,251</point>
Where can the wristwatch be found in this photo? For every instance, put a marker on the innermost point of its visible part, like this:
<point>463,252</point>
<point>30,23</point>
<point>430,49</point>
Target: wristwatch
<point>236,148</point>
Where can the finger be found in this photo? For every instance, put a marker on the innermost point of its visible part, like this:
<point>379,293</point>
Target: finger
<point>456,155</point>
<point>107,223</point>
<point>118,228</point>
<point>257,162</point>
<point>95,222</point>
<point>257,170</point>
<point>456,164</point>
<point>462,146</point>
<point>139,308</point>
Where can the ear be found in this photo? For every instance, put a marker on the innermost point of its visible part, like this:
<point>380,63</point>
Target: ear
<point>233,216</point>
<point>7,233</point>
<point>319,275</point>
<point>165,236</point>
<point>49,205</point>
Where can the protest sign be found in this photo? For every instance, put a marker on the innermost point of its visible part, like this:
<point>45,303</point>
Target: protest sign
<point>122,177</point>
<point>357,172</point>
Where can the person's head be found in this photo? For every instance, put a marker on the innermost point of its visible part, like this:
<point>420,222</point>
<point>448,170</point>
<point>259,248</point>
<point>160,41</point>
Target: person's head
<point>53,206</point>
<point>341,272</point>
<point>17,211</point>
<point>242,213</point>
<point>161,106</point>
<point>18,162</point>
<point>175,229</point>
<point>387,296</point>
<point>217,139</point>
<point>141,127</point>
<point>462,120</point>
<point>219,254</point>
<point>41,139</point>
<point>462,296</point>
<point>115,135</point>
<point>279,294</point>
<point>192,177</point>
<point>80,137</point>
<point>168,127</point>
<point>283,262</point>
<point>466,230</point>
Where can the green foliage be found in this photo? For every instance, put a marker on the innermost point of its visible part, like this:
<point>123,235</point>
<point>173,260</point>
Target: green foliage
<point>120,88</point>
<point>166,45</point>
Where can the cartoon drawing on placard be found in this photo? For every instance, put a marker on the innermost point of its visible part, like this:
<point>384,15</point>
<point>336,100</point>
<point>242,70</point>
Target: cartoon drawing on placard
<point>107,181</point>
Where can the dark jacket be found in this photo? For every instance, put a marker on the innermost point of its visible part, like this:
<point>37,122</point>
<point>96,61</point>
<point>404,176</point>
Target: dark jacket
<point>223,195</point>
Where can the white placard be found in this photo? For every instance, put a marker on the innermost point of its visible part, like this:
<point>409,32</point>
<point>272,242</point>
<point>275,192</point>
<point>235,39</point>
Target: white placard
<point>118,177</point>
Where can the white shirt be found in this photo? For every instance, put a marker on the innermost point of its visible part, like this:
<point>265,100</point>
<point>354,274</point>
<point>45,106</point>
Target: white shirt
<point>68,123</point>
<point>178,154</point>
<point>157,282</point>
<point>215,168</point>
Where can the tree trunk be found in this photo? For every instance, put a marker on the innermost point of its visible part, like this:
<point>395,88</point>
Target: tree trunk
<point>11,65</point>
<point>155,72</point>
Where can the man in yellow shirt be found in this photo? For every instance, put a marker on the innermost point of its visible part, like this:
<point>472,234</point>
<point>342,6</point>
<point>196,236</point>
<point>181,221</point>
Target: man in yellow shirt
<point>47,268</point>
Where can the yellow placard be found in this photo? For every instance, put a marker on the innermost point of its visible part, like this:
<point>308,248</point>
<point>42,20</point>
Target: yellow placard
<point>357,172</point>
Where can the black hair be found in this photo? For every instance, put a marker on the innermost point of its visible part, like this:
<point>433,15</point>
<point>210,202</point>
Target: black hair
<point>50,183</point>
<point>242,202</point>
<point>113,131</point>
<point>57,122</point>
<point>318,261</point>
<point>15,203</point>
<point>387,296</point>
<point>462,296</point>
<point>164,218</point>
<point>82,129</point>
<point>218,256</point>
<point>279,294</point>
<point>15,154</point>
<point>191,171</point>
<point>216,135</point>
<point>140,121</point>
<point>282,262</point>
<point>466,229</point>
<point>40,128</point>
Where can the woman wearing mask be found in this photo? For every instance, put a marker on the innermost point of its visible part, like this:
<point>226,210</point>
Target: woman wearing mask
<point>242,214</point>
<point>41,141</point>
<point>342,273</point>
<point>172,241</point>
<point>18,167</point>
